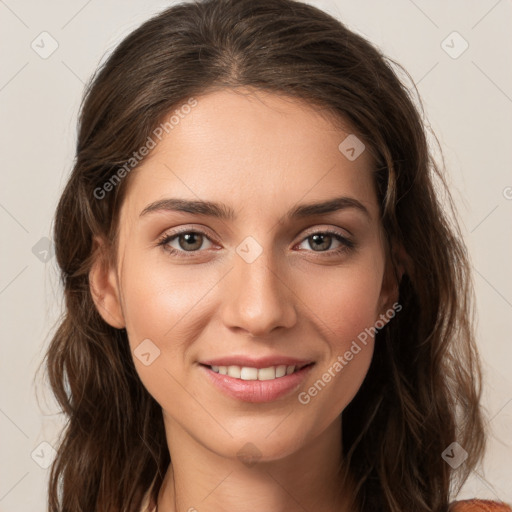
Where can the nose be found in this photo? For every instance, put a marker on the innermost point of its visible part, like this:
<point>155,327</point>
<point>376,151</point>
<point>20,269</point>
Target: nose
<point>258,297</point>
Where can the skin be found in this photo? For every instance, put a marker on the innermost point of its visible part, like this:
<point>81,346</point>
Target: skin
<point>260,154</point>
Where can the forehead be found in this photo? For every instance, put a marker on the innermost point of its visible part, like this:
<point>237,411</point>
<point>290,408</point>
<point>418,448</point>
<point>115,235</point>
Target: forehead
<point>252,148</point>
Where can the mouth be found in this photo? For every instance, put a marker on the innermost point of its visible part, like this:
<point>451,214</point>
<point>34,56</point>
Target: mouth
<point>250,384</point>
<point>248,373</point>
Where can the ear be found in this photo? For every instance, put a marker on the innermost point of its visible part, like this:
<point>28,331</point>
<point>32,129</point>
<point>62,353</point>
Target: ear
<point>104,286</point>
<point>396,264</point>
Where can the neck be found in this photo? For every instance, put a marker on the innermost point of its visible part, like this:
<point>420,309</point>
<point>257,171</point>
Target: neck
<point>201,479</point>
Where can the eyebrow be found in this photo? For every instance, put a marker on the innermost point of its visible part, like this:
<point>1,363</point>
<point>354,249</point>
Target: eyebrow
<point>224,212</point>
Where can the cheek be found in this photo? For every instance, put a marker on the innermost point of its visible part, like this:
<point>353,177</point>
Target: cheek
<point>162,306</point>
<point>161,300</point>
<point>165,307</point>
<point>344,301</point>
<point>346,307</point>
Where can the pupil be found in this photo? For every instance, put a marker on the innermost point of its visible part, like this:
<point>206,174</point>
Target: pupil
<point>189,237</point>
<point>325,236</point>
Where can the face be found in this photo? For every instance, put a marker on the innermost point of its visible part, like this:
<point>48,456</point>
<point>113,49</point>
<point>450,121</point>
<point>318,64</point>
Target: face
<point>270,280</point>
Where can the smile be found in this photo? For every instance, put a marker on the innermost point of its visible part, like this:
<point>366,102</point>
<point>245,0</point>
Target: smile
<point>249,373</point>
<point>251,384</point>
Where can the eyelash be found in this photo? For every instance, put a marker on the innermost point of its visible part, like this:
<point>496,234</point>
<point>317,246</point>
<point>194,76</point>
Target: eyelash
<point>347,245</point>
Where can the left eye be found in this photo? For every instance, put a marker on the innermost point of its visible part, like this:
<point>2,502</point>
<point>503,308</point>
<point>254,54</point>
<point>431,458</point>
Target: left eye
<point>323,240</point>
<point>189,241</point>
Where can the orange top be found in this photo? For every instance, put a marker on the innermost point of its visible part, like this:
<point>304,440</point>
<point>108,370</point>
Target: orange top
<point>480,506</point>
<point>456,506</point>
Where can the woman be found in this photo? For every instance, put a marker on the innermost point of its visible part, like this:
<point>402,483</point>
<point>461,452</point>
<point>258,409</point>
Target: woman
<point>266,306</point>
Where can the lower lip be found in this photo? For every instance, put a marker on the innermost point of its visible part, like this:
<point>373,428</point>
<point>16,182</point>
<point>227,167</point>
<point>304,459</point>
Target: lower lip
<point>257,390</point>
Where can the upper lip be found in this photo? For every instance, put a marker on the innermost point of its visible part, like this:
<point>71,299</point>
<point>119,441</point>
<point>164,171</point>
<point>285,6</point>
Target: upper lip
<point>253,362</point>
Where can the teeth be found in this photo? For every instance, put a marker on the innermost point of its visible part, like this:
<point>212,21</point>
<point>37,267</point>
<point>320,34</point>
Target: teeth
<point>248,373</point>
<point>281,371</point>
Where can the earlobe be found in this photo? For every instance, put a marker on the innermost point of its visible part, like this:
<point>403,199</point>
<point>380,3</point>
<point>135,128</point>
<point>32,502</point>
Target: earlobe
<point>401,262</point>
<point>104,288</point>
<point>393,273</point>
<point>389,294</point>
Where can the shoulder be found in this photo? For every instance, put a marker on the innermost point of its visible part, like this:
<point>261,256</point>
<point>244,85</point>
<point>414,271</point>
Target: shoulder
<point>479,506</point>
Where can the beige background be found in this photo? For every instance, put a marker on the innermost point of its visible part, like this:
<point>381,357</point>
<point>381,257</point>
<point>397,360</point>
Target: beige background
<point>468,102</point>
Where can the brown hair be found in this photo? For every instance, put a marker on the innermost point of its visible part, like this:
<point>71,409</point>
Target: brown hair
<point>422,390</point>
